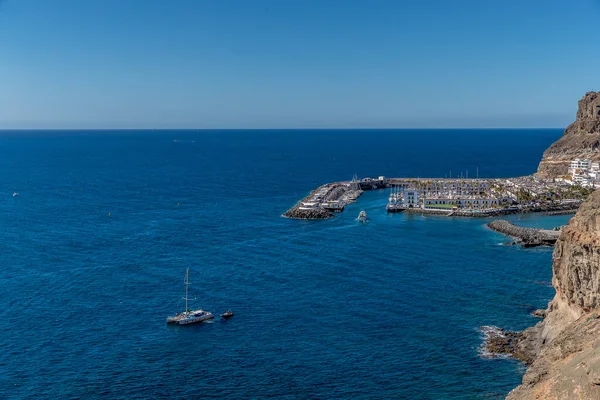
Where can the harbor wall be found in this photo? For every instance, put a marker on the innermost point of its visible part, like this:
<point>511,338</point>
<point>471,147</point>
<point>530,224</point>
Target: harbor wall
<point>527,237</point>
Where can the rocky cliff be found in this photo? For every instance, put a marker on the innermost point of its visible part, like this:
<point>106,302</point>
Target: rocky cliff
<point>580,140</point>
<point>564,349</point>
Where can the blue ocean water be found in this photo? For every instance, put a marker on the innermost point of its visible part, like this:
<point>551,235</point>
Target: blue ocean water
<point>324,309</point>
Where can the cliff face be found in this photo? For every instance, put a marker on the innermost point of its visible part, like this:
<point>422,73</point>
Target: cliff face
<point>580,140</point>
<point>565,348</point>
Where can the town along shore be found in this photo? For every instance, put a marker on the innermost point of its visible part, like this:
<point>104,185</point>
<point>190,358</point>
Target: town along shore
<point>447,197</point>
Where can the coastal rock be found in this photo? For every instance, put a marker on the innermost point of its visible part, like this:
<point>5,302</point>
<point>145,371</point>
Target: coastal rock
<point>580,140</point>
<point>564,348</point>
<point>539,313</point>
<point>499,341</point>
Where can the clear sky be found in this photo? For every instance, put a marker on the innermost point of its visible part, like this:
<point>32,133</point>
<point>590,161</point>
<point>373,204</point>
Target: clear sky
<point>295,63</point>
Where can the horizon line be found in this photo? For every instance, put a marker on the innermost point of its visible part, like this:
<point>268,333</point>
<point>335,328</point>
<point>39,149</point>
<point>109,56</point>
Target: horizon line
<point>269,129</point>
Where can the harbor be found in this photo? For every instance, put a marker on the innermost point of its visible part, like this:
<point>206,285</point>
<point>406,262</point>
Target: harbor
<point>459,197</point>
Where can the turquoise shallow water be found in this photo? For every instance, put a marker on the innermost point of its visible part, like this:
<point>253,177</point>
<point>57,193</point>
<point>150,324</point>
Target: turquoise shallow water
<point>324,309</point>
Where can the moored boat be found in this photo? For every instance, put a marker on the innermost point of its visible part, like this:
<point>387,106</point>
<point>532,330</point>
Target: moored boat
<point>393,207</point>
<point>362,216</point>
<point>189,316</point>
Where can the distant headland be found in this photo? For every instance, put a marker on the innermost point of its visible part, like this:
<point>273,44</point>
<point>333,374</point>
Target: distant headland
<point>581,141</point>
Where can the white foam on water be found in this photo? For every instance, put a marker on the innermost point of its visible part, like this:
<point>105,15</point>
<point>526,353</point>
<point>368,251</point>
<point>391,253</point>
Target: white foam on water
<point>488,332</point>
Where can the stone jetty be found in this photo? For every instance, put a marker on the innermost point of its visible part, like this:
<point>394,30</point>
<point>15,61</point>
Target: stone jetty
<point>297,212</point>
<point>330,198</point>
<point>527,237</point>
<point>309,207</point>
<point>325,200</point>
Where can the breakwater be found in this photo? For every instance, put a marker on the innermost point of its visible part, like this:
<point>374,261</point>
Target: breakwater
<point>327,199</point>
<point>527,237</point>
<point>308,208</point>
<point>562,212</point>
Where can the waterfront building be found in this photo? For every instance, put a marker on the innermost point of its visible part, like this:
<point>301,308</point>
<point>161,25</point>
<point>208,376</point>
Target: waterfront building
<point>460,202</point>
<point>411,198</point>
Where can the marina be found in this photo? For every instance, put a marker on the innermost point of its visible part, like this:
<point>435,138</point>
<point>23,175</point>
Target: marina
<point>460,197</point>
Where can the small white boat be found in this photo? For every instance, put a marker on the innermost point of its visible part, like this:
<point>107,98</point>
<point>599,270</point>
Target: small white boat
<point>15,194</point>
<point>362,217</point>
<point>189,316</point>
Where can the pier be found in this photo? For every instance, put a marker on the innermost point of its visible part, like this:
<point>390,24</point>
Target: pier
<point>460,197</point>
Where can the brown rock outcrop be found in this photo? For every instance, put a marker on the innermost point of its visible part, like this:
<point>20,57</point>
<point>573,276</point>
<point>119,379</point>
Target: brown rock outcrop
<point>580,140</point>
<point>564,349</point>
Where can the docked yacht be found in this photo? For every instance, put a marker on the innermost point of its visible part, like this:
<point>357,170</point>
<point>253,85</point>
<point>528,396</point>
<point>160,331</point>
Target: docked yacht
<point>189,316</point>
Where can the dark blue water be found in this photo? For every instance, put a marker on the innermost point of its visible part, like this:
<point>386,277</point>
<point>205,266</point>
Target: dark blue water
<point>325,309</point>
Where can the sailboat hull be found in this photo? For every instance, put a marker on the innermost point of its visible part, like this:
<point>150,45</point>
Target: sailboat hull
<point>192,317</point>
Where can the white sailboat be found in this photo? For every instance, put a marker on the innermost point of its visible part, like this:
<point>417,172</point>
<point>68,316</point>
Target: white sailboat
<point>189,316</point>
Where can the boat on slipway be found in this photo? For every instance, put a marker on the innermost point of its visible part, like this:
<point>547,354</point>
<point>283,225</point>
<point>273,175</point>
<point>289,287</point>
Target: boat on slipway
<point>188,316</point>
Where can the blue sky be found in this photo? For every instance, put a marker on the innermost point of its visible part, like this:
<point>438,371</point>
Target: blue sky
<point>295,63</point>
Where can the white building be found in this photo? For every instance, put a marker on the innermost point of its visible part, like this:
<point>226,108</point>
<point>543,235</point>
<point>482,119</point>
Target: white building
<point>460,202</point>
<point>581,164</point>
<point>411,198</point>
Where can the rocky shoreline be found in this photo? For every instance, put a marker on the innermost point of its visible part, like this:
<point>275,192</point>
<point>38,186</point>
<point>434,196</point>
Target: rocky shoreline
<point>499,341</point>
<point>562,351</point>
<point>526,237</point>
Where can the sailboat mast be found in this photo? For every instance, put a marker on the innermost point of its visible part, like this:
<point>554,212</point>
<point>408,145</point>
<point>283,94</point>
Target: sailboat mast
<point>187,282</point>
